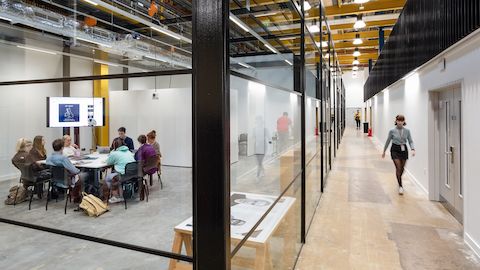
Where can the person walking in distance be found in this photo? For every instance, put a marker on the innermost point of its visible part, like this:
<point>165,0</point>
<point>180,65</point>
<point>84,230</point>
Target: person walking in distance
<point>283,128</point>
<point>357,118</point>
<point>399,136</point>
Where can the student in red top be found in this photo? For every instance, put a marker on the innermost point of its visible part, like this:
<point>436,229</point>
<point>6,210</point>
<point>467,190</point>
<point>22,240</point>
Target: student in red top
<point>283,127</point>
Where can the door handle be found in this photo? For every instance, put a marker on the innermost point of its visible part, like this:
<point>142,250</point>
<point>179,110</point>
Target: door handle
<point>452,153</point>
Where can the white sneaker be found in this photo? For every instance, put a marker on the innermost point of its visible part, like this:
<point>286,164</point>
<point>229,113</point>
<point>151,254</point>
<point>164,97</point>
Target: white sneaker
<point>115,200</point>
<point>400,190</point>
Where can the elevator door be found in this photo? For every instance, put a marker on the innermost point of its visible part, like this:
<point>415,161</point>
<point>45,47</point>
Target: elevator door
<point>450,151</point>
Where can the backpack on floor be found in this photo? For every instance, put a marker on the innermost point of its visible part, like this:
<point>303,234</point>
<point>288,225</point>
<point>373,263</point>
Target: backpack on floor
<point>92,205</point>
<point>21,195</point>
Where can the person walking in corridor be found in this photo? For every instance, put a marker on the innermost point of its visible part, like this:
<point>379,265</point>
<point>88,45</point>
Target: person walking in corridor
<point>399,136</point>
<point>357,118</point>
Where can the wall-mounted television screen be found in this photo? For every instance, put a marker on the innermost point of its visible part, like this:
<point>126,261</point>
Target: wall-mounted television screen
<point>75,112</point>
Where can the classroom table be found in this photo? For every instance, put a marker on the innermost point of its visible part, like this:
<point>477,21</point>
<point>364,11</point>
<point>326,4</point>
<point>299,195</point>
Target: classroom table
<point>94,162</point>
<point>246,210</point>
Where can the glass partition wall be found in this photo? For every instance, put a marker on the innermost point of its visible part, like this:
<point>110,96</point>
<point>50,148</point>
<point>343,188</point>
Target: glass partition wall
<point>243,108</point>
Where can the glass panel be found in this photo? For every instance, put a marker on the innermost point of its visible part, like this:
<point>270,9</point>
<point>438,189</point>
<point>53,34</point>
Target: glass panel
<point>119,33</point>
<point>265,141</point>
<point>265,114</point>
<point>275,243</point>
<point>162,104</point>
<point>63,252</point>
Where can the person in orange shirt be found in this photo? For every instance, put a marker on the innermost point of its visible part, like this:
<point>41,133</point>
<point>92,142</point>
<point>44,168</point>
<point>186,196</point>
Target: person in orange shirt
<point>283,128</point>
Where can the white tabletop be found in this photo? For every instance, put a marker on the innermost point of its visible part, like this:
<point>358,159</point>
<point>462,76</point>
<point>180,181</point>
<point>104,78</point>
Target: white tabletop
<point>96,161</point>
<point>246,211</point>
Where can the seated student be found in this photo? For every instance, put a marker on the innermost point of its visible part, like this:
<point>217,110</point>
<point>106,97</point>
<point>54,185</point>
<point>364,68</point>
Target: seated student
<point>22,156</point>
<point>145,151</point>
<point>58,159</point>
<point>151,139</point>
<point>69,148</point>
<point>127,140</point>
<point>38,153</point>
<point>119,158</point>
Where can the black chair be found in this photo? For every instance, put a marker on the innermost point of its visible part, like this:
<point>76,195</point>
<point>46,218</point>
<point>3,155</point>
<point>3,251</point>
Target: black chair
<point>150,167</point>
<point>133,176</point>
<point>30,179</point>
<point>61,182</point>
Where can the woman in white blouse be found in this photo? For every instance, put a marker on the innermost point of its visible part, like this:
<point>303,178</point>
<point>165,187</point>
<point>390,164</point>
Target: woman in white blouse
<point>69,148</point>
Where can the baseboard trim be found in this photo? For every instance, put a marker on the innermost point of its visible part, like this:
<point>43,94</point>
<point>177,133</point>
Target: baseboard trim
<point>472,244</point>
<point>415,180</point>
<point>9,176</point>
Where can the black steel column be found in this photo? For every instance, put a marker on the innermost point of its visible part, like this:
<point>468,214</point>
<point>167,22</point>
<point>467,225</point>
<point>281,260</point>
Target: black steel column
<point>66,73</point>
<point>303,137</point>
<point>211,135</point>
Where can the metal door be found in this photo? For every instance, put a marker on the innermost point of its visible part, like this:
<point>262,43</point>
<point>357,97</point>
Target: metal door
<point>450,150</point>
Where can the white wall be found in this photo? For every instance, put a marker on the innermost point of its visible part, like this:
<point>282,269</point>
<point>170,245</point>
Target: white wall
<point>354,88</point>
<point>411,97</point>
<point>170,115</point>
<point>23,108</point>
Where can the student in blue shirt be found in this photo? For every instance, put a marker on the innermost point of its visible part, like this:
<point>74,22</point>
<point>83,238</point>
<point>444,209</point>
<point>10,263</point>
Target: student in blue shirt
<point>58,159</point>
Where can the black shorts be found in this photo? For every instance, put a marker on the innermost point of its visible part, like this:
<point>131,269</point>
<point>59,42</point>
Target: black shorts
<point>397,153</point>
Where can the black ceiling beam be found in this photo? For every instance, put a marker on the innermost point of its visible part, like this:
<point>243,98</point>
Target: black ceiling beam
<point>257,53</point>
<point>269,36</point>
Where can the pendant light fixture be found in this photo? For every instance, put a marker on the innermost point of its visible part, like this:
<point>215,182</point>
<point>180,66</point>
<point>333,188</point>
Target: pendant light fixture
<point>356,62</point>
<point>355,68</point>
<point>356,53</point>
<point>357,40</point>
<point>360,1</point>
<point>314,28</point>
<point>359,23</point>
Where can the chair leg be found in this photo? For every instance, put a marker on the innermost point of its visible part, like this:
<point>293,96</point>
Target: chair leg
<point>151,179</point>
<point>160,180</point>
<point>66,199</point>
<point>30,203</point>
<point>49,194</point>
<point>124,199</point>
<point>147,191</point>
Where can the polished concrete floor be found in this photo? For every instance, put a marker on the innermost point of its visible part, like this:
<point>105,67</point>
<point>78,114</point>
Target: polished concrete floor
<point>362,222</point>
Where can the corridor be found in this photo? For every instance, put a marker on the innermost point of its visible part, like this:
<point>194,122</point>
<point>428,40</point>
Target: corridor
<point>362,222</point>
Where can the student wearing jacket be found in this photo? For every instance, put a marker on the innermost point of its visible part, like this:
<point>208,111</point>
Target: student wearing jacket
<point>118,158</point>
<point>22,156</point>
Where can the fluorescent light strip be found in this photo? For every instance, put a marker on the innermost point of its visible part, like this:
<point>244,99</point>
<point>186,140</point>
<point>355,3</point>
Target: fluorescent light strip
<point>239,23</point>
<point>37,50</point>
<point>91,2</point>
<point>245,65</point>
<point>266,14</point>
<point>154,58</point>
<point>94,42</point>
<point>166,33</point>
<point>6,19</point>
<point>104,63</point>
<point>270,48</point>
<point>288,62</point>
